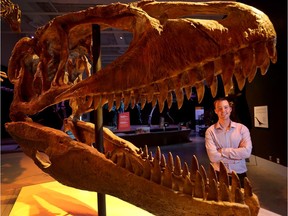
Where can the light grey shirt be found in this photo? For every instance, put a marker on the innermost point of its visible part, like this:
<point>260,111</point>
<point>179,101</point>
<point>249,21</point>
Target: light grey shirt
<point>235,143</point>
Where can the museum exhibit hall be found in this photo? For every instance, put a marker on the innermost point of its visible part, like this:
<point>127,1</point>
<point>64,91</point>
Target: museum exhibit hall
<point>143,107</point>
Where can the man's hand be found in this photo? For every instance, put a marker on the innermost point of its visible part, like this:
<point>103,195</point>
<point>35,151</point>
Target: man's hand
<point>219,150</point>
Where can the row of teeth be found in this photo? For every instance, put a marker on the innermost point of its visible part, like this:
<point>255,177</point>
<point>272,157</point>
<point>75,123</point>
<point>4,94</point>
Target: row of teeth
<point>242,64</point>
<point>193,182</point>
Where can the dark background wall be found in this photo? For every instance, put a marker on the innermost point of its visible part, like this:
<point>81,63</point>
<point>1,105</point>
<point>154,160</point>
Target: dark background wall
<point>271,89</point>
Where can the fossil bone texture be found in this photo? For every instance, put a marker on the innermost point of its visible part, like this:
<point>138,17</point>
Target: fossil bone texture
<point>170,53</point>
<point>11,13</point>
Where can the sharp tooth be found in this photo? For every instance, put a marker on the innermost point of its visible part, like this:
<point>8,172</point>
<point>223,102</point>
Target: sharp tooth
<point>167,173</point>
<point>156,174</point>
<point>223,175</point>
<point>161,104</point>
<point>89,101</point>
<point>235,181</point>
<point>132,101</point>
<point>108,155</point>
<point>203,174</point>
<point>214,87</point>
<point>179,97</point>
<point>209,72</point>
<point>185,170</point>
<point>178,90</point>
<point>154,100</point>
<point>158,153</point>
<point>170,100</point>
<point>188,92</point>
<point>150,157</point>
<point>118,99</point>
<point>252,74</point>
<point>247,188</point>
<point>163,161</point>
<point>104,100</point>
<point>110,101</point>
<point>150,93</point>
<point>139,151</point>
<point>199,189</point>
<point>228,65</point>
<point>239,196</point>
<point>187,188</point>
<point>177,182</point>
<point>200,88</point>
<point>241,80</point>
<point>135,97</point>
<point>113,157</point>
<point>213,191</point>
<point>170,163</point>
<point>156,171</point>
<point>194,168</point>
<point>177,169</point>
<point>163,90</point>
<point>264,67</point>
<point>143,101</point>
<point>96,101</point>
<point>127,98</point>
<point>212,174</point>
<point>234,185</point>
<point>145,152</point>
<point>227,87</point>
<point>247,61</point>
<point>271,50</point>
<point>167,178</point>
<point>137,93</point>
<point>224,193</point>
<point>260,53</point>
<point>146,170</point>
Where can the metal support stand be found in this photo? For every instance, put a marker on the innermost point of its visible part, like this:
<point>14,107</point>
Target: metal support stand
<point>98,114</point>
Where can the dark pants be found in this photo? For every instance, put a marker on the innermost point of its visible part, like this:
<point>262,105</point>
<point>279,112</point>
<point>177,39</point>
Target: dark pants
<point>240,175</point>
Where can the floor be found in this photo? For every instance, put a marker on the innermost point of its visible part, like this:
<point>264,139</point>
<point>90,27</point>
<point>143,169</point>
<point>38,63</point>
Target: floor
<point>269,180</point>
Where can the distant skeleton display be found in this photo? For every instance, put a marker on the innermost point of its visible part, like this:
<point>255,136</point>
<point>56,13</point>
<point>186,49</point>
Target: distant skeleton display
<point>170,53</point>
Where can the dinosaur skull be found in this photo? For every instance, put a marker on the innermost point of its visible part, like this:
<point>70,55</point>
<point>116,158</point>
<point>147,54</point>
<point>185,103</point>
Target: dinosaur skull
<point>169,53</point>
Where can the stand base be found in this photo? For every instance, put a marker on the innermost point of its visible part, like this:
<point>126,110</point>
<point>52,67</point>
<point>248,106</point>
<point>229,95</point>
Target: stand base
<point>53,198</point>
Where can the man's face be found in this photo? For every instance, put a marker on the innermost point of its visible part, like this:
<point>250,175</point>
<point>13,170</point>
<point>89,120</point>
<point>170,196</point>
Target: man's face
<point>223,109</point>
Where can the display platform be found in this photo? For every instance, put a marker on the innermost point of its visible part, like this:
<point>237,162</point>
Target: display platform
<point>53,198</point>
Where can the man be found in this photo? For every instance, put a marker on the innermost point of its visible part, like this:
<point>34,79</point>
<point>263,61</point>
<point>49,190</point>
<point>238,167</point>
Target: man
<point>228,141</point>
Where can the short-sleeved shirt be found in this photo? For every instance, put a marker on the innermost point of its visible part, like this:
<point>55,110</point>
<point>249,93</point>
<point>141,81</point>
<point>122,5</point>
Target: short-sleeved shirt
<point>235,143</point>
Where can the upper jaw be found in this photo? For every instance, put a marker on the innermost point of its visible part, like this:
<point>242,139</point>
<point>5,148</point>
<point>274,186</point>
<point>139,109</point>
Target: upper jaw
<point>148,71</point>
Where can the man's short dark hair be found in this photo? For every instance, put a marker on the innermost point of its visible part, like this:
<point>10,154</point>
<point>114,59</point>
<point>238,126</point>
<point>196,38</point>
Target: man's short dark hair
<point>223,99</point>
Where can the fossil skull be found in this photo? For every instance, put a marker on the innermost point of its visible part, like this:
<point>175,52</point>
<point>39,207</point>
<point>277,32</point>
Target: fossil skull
<point>169,53</point>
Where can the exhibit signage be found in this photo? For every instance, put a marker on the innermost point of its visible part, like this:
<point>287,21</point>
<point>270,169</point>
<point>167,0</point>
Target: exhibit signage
<point>124,121</point>
<point>261,116</point>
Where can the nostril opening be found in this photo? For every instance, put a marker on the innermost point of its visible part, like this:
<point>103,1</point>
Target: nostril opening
<point>44,159</point>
